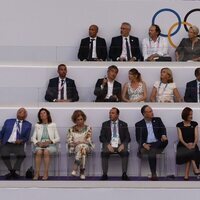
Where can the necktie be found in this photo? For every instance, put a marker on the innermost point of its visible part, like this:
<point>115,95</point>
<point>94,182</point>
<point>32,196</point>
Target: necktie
<point>18,130</point>
<point>62,89</point>
<point>127,50</point>
<point>114,129</point>
<point>90,49</point>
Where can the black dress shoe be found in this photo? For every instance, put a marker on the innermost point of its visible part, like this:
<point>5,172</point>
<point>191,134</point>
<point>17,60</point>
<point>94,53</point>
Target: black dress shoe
<point>125,177</point>
<point>8,176</point>
<point>154,177</point>
<point>15,175</point>
<point>104,177</point>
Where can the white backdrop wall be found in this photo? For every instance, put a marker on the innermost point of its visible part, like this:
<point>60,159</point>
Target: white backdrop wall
<point>51,30</point>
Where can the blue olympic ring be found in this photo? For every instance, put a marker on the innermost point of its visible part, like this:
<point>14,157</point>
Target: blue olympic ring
<point>174,12</point>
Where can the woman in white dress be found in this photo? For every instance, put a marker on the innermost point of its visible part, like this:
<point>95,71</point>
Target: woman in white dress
<point>165,90</point>
<point>79,139</point>
<point>135,90</point>
<point>44,139</point>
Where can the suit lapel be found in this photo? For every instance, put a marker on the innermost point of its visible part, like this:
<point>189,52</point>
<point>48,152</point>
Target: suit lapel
<point>195,89</point>
<point>120,128</point>
<point>131,40</point>
<point>121,43</point>
<point>106,88</point>
<point>114,87</point>
<point>97,41</point>
<point>145,132</point>
<point>23,127</point>
<point>132,44</point>
<point>109,129</point>
<point>66,81</point>
<point>12,125</point>
<point>67,86</point>
<point>154,124</point>
<point>97,46</point>
<point>88,42</point>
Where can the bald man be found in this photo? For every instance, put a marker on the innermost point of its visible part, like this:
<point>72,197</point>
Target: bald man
<point>93,48</point>
<point>14,134</point>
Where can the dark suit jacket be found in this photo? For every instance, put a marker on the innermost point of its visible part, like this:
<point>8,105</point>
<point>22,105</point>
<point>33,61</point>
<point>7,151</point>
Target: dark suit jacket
<point>191,91</point>
<point>101,94</point>
<point>141,130</point>
<point>101,48</point>
<point>52,90</point>
<point>8,127</point>
<point>116,47</point>
<point>106,133</point>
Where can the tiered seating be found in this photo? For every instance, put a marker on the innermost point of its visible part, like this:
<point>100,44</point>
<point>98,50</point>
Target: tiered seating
<point>25,85</point>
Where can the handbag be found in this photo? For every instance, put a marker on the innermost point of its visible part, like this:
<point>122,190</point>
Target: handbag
<point>164,59</point>
<point>30,173</point>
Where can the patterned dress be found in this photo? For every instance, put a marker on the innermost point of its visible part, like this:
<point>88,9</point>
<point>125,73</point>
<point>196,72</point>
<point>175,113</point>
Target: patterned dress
<point>135,94</point>
<point>82,149</point>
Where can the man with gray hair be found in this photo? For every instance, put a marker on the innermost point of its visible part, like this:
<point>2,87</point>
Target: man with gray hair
<point>124,47</point>
<point>14,134</point>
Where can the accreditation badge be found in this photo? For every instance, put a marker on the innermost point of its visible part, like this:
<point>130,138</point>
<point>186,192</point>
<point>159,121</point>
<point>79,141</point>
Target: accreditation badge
<point>114,142</point>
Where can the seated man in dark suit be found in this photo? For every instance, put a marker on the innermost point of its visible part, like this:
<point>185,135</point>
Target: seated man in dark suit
<point>151,137</point>
<point>125,47</point>
<point>61,89</point>
<point>14,134</point>
<point>192,91</point>
<point>114,137</point>
<point>107,89</point>
<point>93,48</point>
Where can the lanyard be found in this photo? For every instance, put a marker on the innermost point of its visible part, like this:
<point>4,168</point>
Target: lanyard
<point>163,89</point>
<point>158,42</point>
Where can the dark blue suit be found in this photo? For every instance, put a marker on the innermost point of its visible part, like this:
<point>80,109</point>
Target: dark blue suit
<point>156,147</point>
<point>191,91</point>
<point>17,149</point>
<point>52,90</point>
<point>8,127</point>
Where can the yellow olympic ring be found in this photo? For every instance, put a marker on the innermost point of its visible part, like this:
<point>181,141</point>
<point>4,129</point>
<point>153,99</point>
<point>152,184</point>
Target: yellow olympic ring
<point>170,30</point>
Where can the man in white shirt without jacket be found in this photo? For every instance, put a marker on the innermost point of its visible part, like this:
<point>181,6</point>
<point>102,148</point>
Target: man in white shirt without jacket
<point>154,46</point>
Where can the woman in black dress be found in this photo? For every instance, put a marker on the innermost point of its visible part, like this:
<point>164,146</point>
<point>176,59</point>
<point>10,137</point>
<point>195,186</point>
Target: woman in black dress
<point>187,149</point>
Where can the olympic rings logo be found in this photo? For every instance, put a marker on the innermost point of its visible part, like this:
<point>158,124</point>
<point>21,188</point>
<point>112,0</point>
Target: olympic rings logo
<point>178,24</point>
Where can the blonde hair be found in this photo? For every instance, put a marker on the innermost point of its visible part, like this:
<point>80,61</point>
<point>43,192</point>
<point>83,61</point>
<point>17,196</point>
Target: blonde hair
<point>169,72</point>
<point>195,29</point>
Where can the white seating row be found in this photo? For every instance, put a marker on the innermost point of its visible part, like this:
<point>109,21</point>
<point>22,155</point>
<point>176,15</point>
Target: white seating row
<point>98,113</point>
<point>26,83</point>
